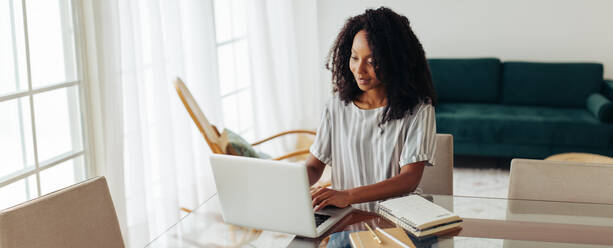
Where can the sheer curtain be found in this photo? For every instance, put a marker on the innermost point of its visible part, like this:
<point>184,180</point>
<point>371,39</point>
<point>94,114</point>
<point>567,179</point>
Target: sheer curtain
<point>145,143</point>
<point>283,44</point>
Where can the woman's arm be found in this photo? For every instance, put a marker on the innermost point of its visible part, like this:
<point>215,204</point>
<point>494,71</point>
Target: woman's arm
<point>314,168</point>
<point>403,183</point>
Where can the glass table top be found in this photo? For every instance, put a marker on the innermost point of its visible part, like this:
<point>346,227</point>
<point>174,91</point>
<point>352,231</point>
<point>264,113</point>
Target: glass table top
<point>488,222</point>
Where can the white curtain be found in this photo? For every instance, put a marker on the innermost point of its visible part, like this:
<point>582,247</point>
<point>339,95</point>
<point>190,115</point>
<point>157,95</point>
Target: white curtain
<point>146,145</point>
<point>283,47</point>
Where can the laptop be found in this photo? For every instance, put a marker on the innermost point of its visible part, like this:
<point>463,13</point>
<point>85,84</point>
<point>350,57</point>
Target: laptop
<point>270,195</point>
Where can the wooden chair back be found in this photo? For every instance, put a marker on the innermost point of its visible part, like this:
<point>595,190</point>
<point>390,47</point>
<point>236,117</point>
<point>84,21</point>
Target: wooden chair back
<point>216,141</point>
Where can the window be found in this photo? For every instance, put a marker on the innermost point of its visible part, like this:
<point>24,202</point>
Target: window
<point>42,142</point>
<point>234,66</point>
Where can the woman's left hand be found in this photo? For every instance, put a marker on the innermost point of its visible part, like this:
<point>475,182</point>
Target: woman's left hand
<point>323,197</point>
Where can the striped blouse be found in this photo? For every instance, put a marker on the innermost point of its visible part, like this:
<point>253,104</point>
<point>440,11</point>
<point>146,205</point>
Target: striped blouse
<point>362,153</point>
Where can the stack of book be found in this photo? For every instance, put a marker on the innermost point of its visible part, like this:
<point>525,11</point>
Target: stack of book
<point>417,215</point>
<point>384,238</point>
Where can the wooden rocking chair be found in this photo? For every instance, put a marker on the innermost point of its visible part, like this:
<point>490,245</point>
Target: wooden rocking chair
<point>219,142</point>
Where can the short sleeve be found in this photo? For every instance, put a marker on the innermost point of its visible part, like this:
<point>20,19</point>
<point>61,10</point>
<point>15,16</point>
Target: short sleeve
<point>420,139</point>
<point>322,146</point>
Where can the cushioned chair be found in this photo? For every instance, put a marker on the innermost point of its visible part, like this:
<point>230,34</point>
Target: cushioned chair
<point>561,181</point>
<point>81,215</point>
<point>557,181</point>
<point>228,142</point>
<point>438,179</point>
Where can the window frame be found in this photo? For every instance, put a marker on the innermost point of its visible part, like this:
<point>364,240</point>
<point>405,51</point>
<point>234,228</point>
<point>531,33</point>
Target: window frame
<point>69,14</point>
<point>232,41</point>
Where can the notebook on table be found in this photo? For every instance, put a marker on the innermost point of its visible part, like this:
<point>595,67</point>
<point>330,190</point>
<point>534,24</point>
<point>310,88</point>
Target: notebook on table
<point>417,215</point>
<point>364,239</point>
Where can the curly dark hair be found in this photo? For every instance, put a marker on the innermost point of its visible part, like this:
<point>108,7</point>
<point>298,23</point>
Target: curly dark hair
<point>399,60</point>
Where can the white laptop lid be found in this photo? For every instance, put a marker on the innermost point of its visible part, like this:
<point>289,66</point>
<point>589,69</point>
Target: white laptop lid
<point>264,194</point>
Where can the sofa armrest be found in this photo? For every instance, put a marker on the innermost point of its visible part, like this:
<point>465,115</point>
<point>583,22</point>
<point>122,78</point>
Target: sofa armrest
<point>600,107</point>
<point>608,89</point>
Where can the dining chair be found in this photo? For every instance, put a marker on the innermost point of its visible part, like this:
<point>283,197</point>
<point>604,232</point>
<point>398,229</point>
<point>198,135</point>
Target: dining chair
<point>228,142</point>
<point>558,181</point>
<point>561,181</point>
<point>438,179</point>
<point>81,215</point>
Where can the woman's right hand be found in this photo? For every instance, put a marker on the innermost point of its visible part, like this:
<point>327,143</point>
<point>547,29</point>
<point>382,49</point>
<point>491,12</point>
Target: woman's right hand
<point>323,197</point>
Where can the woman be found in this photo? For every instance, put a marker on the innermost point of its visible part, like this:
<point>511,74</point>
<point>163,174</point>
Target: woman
<point>378,131</point>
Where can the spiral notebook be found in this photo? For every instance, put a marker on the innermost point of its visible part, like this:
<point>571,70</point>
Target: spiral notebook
<point>417,215</point>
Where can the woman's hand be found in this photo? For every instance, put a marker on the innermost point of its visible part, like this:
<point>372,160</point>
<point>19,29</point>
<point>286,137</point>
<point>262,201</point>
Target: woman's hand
<point>323,197</point>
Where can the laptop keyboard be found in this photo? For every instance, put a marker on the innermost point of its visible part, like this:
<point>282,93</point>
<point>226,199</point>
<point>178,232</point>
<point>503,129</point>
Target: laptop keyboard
<point>320,218</point>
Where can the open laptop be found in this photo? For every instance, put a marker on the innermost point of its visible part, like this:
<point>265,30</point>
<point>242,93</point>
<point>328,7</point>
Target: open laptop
<point>270,195</point>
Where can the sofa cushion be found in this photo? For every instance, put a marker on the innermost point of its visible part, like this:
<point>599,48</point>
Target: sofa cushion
<point>550,84</point>
<point>503,150</point>
<point>504,124</point>
<point>521,151</point>
<point>466,80</point>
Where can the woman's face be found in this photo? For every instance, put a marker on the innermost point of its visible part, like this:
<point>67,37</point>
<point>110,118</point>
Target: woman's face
<point>362,63</point>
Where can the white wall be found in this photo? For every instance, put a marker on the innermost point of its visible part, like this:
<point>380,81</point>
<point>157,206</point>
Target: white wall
<point>530,30</point>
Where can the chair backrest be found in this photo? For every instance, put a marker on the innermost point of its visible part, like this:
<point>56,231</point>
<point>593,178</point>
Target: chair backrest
<point>438,179</point>
<point>548,180</point>
<point>81,215</point>
<point>561,181</point>
<point>216,141</point>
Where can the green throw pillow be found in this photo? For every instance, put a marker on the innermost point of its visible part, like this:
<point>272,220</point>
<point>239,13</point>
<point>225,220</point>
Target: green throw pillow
<point>242,147</point>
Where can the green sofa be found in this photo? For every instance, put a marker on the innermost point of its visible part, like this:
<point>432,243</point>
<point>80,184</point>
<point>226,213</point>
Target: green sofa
<point>523,109</point>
